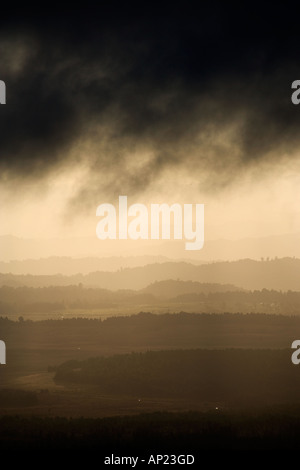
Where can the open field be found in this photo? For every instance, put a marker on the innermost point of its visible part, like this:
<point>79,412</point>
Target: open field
<point>37,351</point>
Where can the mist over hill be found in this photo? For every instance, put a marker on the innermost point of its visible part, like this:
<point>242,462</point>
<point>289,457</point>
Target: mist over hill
<point>280,274</point>
<point>173,288</point>
<point>13,248</point>
<point>68,266</point>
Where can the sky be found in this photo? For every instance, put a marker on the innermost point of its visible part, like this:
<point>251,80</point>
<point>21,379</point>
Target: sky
<point>164,106</point>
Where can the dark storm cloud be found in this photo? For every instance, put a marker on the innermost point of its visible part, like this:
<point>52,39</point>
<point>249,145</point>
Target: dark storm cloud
<point>171,85</point>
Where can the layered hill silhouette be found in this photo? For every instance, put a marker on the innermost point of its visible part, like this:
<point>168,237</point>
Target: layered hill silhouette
<point>68,266</point>
<point>161,296</point>
<point>14,248</point>
<point>173,288</point>
<point>49,299</point>
<point>279,274</point>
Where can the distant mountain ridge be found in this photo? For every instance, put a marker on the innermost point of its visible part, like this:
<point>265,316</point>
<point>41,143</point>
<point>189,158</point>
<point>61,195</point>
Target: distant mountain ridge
<point>14,248</point>
<point>67,266</point>
<point>279,274</point>
<point>164,296</point>
<point>173,288</point>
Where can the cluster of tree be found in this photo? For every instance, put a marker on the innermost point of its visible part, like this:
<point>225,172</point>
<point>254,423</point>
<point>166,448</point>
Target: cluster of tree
<point>157,433</point>
<point>227,376</point>
<point>149,331</point>
<point>208,297</point>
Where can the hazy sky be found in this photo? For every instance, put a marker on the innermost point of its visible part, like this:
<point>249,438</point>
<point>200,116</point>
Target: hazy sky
<point>169,106</point>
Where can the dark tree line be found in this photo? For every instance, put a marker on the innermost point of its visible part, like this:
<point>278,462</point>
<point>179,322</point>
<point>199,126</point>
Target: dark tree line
<point>229,376</point>
<point>162,433</point>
